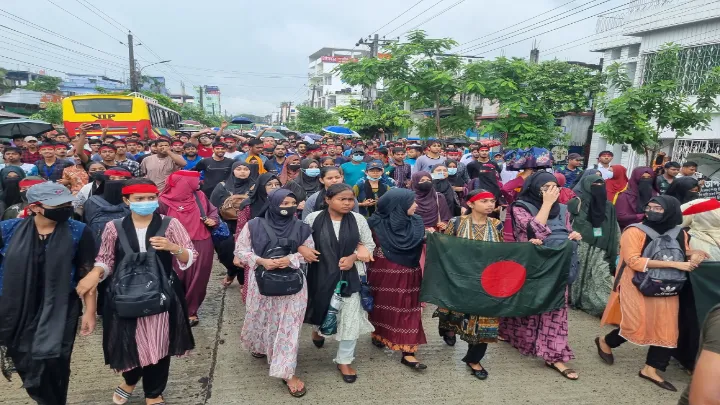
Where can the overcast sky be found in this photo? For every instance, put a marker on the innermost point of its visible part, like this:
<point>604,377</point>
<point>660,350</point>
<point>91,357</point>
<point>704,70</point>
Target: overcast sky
<point>257,51</point>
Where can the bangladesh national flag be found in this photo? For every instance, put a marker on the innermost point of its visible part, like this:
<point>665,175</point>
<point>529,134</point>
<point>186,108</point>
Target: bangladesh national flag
<point>494,279</point>
<point>705,282</point>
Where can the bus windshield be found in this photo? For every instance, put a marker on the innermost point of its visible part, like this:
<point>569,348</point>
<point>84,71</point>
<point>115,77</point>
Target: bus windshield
<point>102,105</point>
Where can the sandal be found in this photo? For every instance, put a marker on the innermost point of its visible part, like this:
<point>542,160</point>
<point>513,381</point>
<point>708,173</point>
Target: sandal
<point>121,393</point>
<point>565,373</point>
<point>258,355</point>
<point>348,378</point>
<point>319,343</point>
<point>606,357</point>
<point>296,394</point>
<point>416,365</point>
<point>378,344</point>
<point>662,384</point>
<point>479,374</point>
<point>194,322</point>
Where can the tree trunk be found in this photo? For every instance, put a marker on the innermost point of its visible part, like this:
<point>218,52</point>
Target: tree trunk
<point>437,117</point>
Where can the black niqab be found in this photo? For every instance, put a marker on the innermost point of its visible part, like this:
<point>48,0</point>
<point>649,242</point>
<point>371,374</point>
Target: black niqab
<point>645,191</point>
<point>285,226</point>
<point>598,201</point>
<point>309,184</point>
<point>400,235</point>
<point>531,193</point>
<point>258,197</point>
<point>487,180</point>
<point>671,218</point>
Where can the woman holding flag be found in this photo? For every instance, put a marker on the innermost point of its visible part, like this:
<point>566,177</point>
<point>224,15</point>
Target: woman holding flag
<point>477,331</point>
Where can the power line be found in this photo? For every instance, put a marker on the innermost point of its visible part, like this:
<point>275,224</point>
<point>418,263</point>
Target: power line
<point>514,25</point>
<point>43,59</point>
<point>55,55</point>
<point>56,5</point>
<point>32,64</point>
<point>624,24</point>
<point>26,22</point>
<point>551,30</point>
<point>56,45</point>
<point>401,14</point>
<point>433,17</point>
<point>539,24</point>
<point>87,6</point>
<point>126,29</point>
<point>406,22</point>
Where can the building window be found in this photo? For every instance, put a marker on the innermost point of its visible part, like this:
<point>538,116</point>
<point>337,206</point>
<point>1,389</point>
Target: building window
<point>328,80</point>
<point>615,53</point>
<point>633,51</point>
<point>630,70</point>
<point>694,65</point>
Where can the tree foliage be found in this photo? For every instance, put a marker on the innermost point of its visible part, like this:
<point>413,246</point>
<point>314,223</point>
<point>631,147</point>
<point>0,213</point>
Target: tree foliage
<point>52,113</point>
<point>386,115</point>
<point>416,71</point>
<point>313,119</point>
<point>530,96</point>
<point>45,84</point>
<point>638,116</point>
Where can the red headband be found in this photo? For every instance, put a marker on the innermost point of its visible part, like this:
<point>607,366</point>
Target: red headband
<point>46,146</point>
<point>106,147</point>
<point>187,173</point>
<point>480,196</point>
<point>28,183</point>
<point>705,206</point>
<point>140,188</point>
<point>119,173</point>
<point>177,143</point>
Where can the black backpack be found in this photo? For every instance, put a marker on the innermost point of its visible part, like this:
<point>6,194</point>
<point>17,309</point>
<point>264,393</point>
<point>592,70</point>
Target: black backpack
<point>140,285</point>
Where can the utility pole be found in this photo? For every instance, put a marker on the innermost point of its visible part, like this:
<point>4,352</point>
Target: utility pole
<point>202,105</point>
<point>374,54</point>
<point>312,102</point>
<point>534,54</point>
<point>133,73</point>
<point>182,93</point>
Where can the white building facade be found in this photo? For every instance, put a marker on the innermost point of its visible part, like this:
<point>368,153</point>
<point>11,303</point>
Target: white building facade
<point>325,87</point>
<point>633,36</point>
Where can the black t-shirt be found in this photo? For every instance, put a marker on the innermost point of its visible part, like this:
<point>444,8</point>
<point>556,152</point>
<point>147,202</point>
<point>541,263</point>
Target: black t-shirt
<point>214,172</point>
<point>473,168</point>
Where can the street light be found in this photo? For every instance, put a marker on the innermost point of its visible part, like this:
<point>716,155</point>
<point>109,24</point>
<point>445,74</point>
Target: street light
<point>139,72</point>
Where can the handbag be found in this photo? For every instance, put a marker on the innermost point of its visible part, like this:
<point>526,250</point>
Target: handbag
<point>366,298</point>
<point>278,282</point>
<point>221,231</point>
<point>229,208</point>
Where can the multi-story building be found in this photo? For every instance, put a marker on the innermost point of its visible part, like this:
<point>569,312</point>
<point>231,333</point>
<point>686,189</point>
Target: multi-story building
<point>182,99</point>
<point>632,37</point>
<point>77,83</point>
<point>211,99</point>
<point>325,87</point>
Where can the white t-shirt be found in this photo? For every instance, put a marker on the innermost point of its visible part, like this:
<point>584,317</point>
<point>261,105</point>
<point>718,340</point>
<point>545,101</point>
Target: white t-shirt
<point>233,155</point>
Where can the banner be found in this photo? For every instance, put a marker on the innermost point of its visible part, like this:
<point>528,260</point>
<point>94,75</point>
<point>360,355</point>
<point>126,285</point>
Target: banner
<point>494,279</point>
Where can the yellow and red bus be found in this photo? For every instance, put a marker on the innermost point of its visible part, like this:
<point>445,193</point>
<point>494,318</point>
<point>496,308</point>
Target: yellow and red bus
<point>121,115</point>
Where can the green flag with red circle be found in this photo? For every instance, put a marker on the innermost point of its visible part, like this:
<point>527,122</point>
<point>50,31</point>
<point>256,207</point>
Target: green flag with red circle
<point>494,279</point>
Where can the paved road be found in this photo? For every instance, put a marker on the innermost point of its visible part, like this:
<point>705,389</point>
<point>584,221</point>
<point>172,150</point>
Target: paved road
<point>218,372</point>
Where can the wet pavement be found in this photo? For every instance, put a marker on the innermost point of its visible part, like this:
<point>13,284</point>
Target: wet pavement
<point>219,372</point>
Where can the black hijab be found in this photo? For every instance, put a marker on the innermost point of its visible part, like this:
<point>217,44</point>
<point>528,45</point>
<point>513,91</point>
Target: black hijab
<point>680,189</point>
<point>309,184</point>
<point>531,193</point>
<point>487,179</point>
<point>671,218</point>
<point>400,235</point>
<point>257,198</point>
<point>444,187</point>
<point>285,227</point>
<point>454,179</point>
<point>11,185</point>
<point>240,186</point>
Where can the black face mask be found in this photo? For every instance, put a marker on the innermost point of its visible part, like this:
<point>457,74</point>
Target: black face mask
<point>97,176</point>
<point>23,195</point>
<point>653,216</point>
<point>691,195</point>
<point>427,186</point>
<point>58,215</point>
<point>288,211</point>
<point>294,167</point>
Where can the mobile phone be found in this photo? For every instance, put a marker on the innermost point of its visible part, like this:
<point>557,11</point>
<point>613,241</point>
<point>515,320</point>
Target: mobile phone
<point>95,126</point>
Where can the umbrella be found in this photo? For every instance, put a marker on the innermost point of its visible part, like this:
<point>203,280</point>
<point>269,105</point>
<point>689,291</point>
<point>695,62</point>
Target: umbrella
<point>457,141</point>
<point>490,143</point>
<point>314,137</point>
<point>329,325</point>
<point>241,120</point>
<point>26,127</point>
<point>340,130</point>
<point>281,127</point>
<point>276,135</point>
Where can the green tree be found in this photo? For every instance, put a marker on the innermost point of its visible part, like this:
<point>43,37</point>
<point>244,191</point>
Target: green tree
<point>52,113</point>
<point>530,96</point>
<point>639,115</point>
<point>386,115</point>
<point>313,119</point>
<point>4,86</point>
<point>45,84</point>
<point>417,71</point>
<point>455,123</point>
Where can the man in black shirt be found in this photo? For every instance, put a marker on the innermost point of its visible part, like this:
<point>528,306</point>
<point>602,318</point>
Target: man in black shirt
<point>215,168</point>
<point>481,156</point>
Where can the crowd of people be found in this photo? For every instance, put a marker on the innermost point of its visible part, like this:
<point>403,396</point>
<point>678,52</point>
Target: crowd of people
<point>329,233</point>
